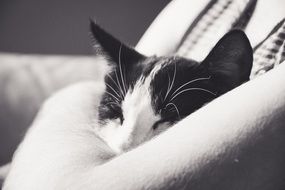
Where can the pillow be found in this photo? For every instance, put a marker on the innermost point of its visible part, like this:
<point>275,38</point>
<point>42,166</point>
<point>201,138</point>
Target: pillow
<point>216,19</point>
<point>270,52</point>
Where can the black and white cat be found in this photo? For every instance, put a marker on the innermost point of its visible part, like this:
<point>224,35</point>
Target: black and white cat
<point>142,97</point>
<point>146,95</point>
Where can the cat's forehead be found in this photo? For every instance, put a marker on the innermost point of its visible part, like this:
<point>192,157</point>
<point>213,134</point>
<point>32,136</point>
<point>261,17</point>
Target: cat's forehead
<point>164,70</point>
<point>164,65</point>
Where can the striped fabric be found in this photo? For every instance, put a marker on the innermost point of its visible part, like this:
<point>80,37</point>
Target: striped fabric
<point>270,52</point>
<point>218,17</point>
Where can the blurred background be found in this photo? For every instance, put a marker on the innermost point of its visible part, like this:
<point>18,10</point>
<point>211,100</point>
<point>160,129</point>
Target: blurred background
<point>61,26</point>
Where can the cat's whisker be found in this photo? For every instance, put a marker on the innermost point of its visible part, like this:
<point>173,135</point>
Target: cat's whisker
<point>171,86</point>
<point>168,86</point>
<point>171,103</point>
<point>120,88</point>
<point>193,89</point>
<point>125,80</point>
<point>190,82</point>
<point>113,96</point>
<point>121,71</point>
<point>112,79</point>
<point>113,90</point>
<point>115,84</point>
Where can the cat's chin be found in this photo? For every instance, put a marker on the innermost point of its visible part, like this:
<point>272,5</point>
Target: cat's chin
<point>117,137</point>
<point>121,148</point>
<point>121,145</point>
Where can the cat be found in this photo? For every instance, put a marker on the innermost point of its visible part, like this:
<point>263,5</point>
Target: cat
<point>145,96</point>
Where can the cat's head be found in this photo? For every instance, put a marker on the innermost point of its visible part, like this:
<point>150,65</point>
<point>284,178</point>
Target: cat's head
<point>146,95</point>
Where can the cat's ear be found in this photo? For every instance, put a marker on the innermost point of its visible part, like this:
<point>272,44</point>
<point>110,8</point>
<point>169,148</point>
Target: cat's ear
<point>230,61</point>
<point>110,47</point>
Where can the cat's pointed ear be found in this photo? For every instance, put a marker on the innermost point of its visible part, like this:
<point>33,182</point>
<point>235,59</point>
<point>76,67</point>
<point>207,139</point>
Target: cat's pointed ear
<point>230,61</point>
<point>108,46</point>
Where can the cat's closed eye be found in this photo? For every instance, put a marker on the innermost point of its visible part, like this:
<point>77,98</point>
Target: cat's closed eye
<point>112,110</point>
<point>117,112</point>
<point>156,124</point>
